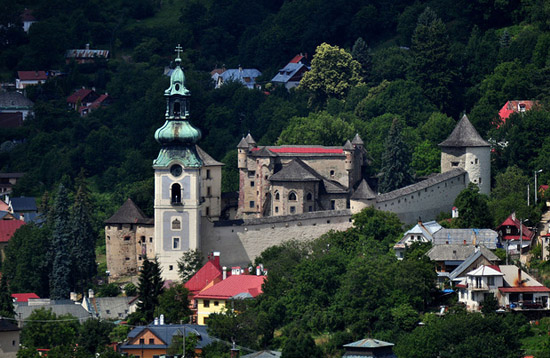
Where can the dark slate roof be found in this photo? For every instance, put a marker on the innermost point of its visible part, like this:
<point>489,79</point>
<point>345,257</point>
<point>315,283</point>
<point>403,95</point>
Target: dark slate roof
<point>167,332</point>
<point>363,192</point>
<point>457,272</point>
<point>421,185</point>
<point>485,237</point>
<point>464,135</point>
<point>285,74</point>
<point>348,145</point>
<point>297,171</point>
<point>14,100</point>
<point>207,160</point>
<point>369,343</point>
<point>58,307</point>
<point>357,140</point>
<point>263,354</point>
<point>23,204</point>
<point>262,152</point>
<point>6,326</point>
<point>129,213</point>
<point>243,144</point>
<point>457,252</point>
<point>250,140</point>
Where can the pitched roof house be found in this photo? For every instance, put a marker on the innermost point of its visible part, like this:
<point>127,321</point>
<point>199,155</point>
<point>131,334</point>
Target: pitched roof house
<point>369,347</point>
<point>27,19</point>
<point>85,55</point>
<point>86,100</point>
<point>28,78</point>
<point>513,232</point>
<point>515,106</point>
<point>421,232</point>
<point>7,229</point>
<point>15,102</point>
<point>291,75</point>
<point>246,76</point>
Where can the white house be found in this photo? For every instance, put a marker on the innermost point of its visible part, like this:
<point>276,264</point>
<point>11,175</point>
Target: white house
<point>421,232</point>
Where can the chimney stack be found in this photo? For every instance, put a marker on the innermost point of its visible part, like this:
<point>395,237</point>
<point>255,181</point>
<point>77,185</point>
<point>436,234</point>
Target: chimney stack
<point>161,321</point>
<point>90,293</point>
<point>224,273</point>
<point>216,257</point>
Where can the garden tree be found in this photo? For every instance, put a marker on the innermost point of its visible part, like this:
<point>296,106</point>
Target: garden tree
<point>362,53</point>
<point>508,195</point>
<point>130,289</point>
<point>189,263</point>
<point>382,226</point>
<point>395,161</point>
<point>464,335</point>
<point>333,72</point>
<point>93,335</point>
<point>44,329</point>
<point>6,301</point>
<point>27,265</point>
<point>174,304</point>
<point>109,290</point>
<point>318,128</point>
<point>489,304</point>
<point>431,63</point>
<point>473,211</point>
<point>84,266</point>
<point>150,287</point>
<point>300,344</point>
<point>176,346</point>
<point>119,333</point>
<point>426,159</point>
<point>60,279</point>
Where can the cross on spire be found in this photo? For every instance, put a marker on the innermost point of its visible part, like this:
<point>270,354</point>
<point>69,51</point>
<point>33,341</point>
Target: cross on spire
<point>178,50</point>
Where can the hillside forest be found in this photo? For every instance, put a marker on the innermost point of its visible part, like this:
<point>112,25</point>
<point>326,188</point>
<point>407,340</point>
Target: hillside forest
<point>379,66</point>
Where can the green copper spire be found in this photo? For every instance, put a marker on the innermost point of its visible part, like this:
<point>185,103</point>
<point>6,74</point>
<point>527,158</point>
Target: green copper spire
<point>177,136</point>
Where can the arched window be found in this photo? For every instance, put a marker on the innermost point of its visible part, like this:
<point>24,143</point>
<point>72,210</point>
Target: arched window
<point>277,196</point>
<point>176,224</point>
<point>176,194</point>
<point>309,197</point>
<point>177,108</point>
<point>292,196</point>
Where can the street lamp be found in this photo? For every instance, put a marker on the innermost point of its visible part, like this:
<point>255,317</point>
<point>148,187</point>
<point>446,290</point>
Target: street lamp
<point>536,188</point>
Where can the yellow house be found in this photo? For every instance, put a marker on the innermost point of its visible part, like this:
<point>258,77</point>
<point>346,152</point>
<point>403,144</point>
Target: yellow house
<point>214,299</point>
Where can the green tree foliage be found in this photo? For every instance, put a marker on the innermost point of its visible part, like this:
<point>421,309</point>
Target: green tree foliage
<point>174,304</point>
<point>60,281</point>
<point>109,290</point>
<point>333,73</point>
<point>508,196</point>
<point>299,345</point>
<point>45,329</point>
<point>84,266</point>
<point>395,161</point>
<point>6,301</point>
<point>319,128</point>
<point>93,335</point>
<point>189,263</point>
<point>426,159</point>
<point>130,289</point>
<point>362,53</point>
<point>191,341</point>
<point>473,210</point>
<point>150,287</point>
<point>431,65</point>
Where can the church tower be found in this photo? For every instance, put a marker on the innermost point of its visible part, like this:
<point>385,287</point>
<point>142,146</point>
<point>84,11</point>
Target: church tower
<point>177,178</point>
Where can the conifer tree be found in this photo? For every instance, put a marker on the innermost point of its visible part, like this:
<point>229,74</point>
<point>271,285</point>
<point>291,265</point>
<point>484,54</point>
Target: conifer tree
<point>83,246</point>
<point>395,161</point>
<point>6,302</point>
<point>362,53</point>
<point>431,65</point>
<point>60,279</point>
<point>150,287</point>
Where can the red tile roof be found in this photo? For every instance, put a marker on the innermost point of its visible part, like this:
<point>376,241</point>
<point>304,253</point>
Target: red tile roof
<point>513,221</point>
<point>27,15</point>
<point>79,95</point>
<point>524,289</point>
<point>234,285</point>
<point>297,58</point>
<point>23,297</point>
<point>32,75</point>
<point>209,272</point>
<point>11,120</point>
<point>316,150</point>
<point>513,107</point>
<point>8,227</point>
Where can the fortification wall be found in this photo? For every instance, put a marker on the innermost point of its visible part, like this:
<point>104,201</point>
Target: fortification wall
<point>241,241</point>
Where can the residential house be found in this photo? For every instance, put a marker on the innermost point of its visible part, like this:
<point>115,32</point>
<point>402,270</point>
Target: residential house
<point>60,307</point>
<point>23,297</point>
<point>86,100</point>
<point>9,339</point>
<point>154,340</point>
<point>24,208</point>
<point>513,288</point>
<point>27,19</point>
<point>7,181</point>
<point>216,298</point>
<point>515,106</point>
<point>291,75</point>
<point>448,257</point>
<point>475,260</point>
<point>421,232</point>
<point>369,347</point>
<point>112,308</point>
<point>513,234</point>
<point>29,78</point>
<point>7,229</point>
<point>85,55</point>
<point>14,103</point>
<point>246,76</point>
<point>485,237</point>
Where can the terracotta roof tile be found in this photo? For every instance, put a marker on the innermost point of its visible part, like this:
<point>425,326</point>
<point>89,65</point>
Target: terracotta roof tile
<point>234,285</point>
<point>8,228</point>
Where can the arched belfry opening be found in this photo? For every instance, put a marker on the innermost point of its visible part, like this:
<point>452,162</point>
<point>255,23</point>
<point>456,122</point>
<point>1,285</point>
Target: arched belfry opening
<point>177,109</point>
<point>176,193</point>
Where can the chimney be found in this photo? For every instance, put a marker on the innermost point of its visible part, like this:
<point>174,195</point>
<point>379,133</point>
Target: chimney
<point>87,46</point>
<point>519,276</point>
<point>90,293</point>
<point>156,321</point>
<point>216,258</point>
<point>235,352</point>
<point>161,321</point>
<point>224,273</point>
<point>258,271</point>
<point>73,296</point>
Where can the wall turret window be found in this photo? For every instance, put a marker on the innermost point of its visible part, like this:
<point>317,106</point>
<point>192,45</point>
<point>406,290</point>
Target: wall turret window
<point>292,196</point>
<point>277,196</point>
<point>176,194</point>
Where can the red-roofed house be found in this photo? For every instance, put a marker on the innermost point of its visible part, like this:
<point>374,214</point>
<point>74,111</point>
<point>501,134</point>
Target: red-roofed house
<point>86,100</point>
<point>7,229</point>
<point>509,233</point>
<point>28,78</point>
<point>215,298</point>
<point>23,297</point>
<point>514,107</point>
<point>27,19</point>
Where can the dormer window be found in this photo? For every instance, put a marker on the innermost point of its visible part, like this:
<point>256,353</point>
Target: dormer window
<point>521,107</point>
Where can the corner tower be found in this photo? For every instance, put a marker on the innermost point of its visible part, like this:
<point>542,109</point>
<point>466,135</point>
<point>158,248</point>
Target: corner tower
<point>177,178</point>
<point>464,148</point>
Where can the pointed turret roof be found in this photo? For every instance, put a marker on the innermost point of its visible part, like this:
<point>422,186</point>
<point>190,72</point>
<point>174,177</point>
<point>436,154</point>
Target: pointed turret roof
<point>357,140</point>
<point>250,140</point>
<point>363,192</point>
<point>464,135</point>
<point>348,145</point>
<point>129,213</point>
<point>243,144</point>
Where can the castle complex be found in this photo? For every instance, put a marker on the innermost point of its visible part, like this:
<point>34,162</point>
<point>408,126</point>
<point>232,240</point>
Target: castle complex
<point>285,192</point>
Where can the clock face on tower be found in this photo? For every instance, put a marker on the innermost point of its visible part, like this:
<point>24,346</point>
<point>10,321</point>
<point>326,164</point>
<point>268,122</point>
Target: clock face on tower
<point>176,170</point>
